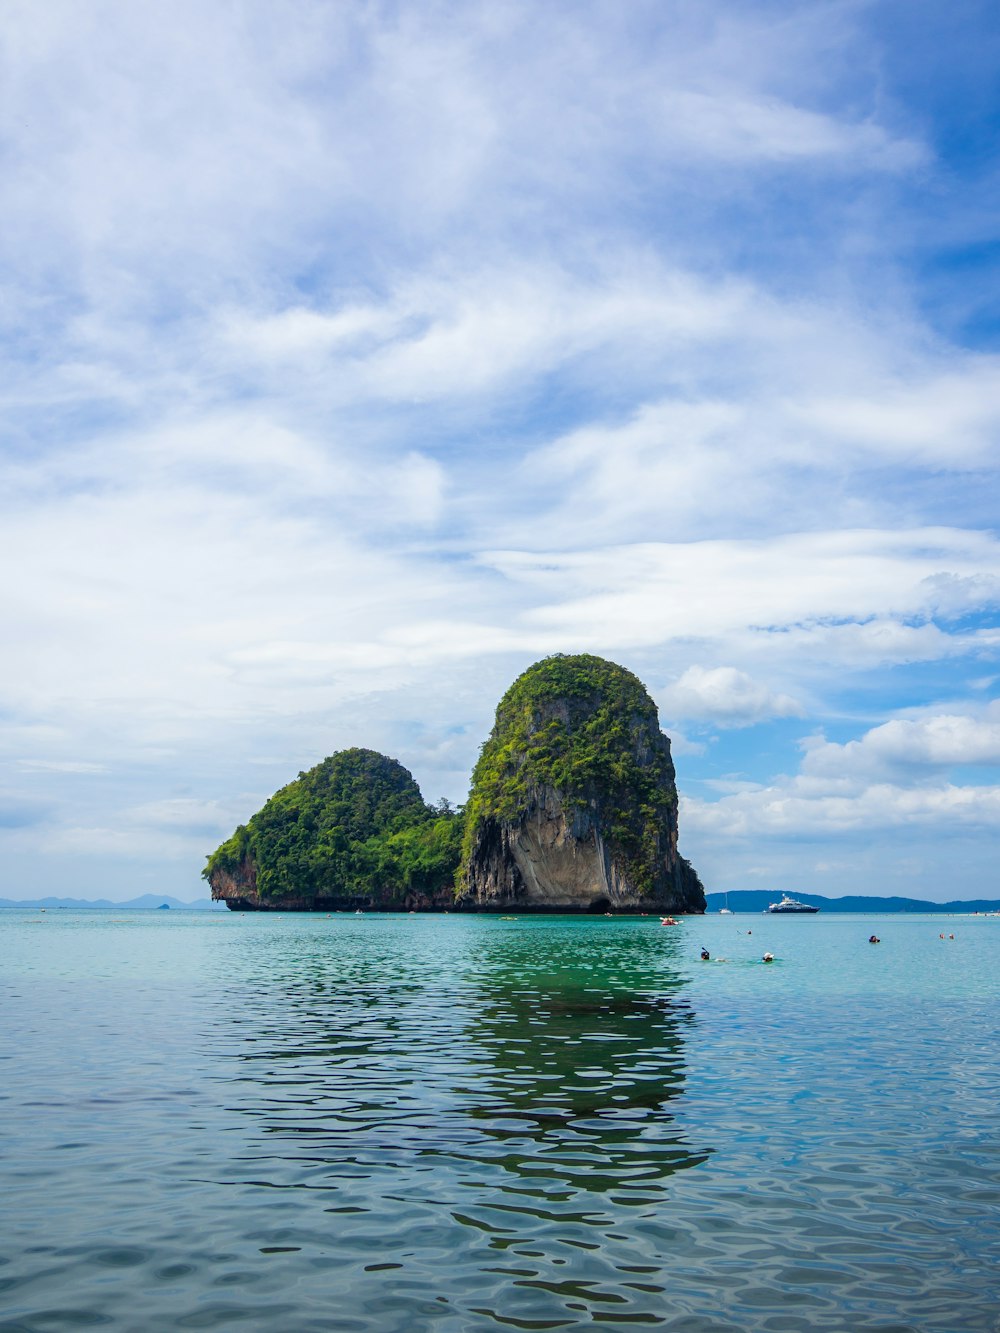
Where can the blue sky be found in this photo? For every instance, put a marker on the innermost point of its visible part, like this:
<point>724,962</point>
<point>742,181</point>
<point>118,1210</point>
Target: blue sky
<point>357,355</point>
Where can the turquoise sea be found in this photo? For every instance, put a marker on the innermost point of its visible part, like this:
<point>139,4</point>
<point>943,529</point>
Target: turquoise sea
<point>406,1122</point>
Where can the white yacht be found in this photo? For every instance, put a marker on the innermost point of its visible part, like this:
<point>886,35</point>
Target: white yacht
<point>791,905</point>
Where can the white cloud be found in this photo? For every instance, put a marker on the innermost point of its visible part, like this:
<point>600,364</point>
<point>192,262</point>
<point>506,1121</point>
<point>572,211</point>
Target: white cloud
<point>371,353</point>
<point>460,330</point>
<point>880,641</point>
<point>726,696</point>
<point>700,462</point>
<point>174,829</point>
<point>61,766</point>
<point>117,843</point>
<point>681,745</point>
<point>760,590</point>
<point>941,740</point>
<point>184,815</point>
<point>799,810</point>
<point>299,332</point>
<point>890,779</point>
<point>737,128</point>
<point>941,413</point>
<point>198,146</point>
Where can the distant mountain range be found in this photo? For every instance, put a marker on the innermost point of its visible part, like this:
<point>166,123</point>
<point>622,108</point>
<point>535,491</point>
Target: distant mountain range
<point>757,900</point>
<point>742,900</point>
<point>147,902</point>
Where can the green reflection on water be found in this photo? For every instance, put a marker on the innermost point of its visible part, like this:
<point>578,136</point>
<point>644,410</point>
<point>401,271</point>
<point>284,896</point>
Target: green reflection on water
<point>580,1033</point>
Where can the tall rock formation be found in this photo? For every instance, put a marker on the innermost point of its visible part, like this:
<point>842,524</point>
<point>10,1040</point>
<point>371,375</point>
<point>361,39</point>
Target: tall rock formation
<point>574,803</point>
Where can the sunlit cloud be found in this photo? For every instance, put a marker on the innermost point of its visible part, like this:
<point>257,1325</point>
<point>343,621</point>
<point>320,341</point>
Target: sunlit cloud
<point>937,741</point>
<point>796,811</point>
<point>725,696</point>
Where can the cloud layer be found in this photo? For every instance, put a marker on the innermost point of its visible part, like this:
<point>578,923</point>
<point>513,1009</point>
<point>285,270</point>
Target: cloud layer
<point>355,358</point>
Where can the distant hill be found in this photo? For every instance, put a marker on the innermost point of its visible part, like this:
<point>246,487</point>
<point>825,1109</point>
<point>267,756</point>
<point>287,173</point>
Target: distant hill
<point>148,901</point>
<point>741,900</point>
<point>757,900</point>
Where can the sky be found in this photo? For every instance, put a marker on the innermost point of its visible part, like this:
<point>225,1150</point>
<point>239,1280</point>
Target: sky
<point>357,355</point>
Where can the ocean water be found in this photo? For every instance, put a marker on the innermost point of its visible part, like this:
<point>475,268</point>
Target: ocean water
<point>406,1122</point>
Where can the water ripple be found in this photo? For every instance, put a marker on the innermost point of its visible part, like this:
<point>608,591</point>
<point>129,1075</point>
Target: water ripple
<point>387,1123</point>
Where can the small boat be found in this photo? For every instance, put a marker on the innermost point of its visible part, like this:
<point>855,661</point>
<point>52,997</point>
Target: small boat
<point>667,921</point>
<point>791,905</point>
<point>724,911</point>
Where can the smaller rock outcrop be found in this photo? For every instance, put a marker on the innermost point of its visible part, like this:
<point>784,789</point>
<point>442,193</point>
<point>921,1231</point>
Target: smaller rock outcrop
<point>574,802</point>
<point>353,832</point>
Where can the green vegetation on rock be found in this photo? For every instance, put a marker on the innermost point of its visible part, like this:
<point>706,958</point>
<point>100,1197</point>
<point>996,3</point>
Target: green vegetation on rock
<point>356,825</point>
<point>587,730</point>
<point>573,808</point>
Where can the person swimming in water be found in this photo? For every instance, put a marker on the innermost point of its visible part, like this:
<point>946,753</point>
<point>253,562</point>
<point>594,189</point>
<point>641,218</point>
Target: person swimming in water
<point>768,958</point>
<point>705,956</point>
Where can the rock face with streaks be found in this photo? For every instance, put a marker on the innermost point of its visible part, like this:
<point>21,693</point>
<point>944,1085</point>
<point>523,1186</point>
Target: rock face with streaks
<point>573,805</point>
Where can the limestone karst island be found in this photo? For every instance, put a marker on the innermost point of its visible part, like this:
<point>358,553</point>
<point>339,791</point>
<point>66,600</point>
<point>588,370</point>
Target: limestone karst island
<point>573,808</point>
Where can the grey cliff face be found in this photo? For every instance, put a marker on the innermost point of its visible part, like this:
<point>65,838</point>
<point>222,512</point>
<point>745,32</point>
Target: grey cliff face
<point>554,860</point>
<point>550,860</point>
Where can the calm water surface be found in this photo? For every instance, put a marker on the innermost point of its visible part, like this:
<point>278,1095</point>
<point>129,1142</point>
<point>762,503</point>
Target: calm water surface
<point>383,1123</point>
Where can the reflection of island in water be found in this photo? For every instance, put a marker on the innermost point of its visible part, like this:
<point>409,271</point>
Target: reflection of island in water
<point>578,1043</point>
<point>505,1074</point>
